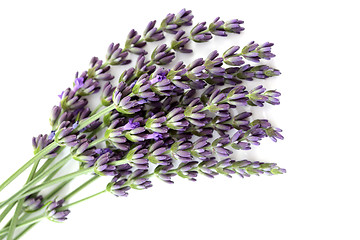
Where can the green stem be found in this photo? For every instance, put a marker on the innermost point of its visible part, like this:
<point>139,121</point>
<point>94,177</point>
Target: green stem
<point>36,179</point>
<point>30,221</point>
<point>89,120</point>
<point>6,211</point>
<point>25,231</point>
<point>119,162</point>
<point>48,162</point>
<point>67,197</point>
<point>56,190</point>
<point>37,157</point>
<point>52,182</point>
<point>81,200</point>
<point>20,203</point>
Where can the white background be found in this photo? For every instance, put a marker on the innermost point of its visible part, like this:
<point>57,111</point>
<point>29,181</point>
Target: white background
<point>43,44</point>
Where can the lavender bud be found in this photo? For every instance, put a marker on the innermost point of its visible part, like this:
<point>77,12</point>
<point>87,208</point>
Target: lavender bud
<point>64,136</point>
<point>152,34</point>
<point>176,119</point>
<point>42,141</point>
<point>133,44</point>
<point>116,56</point>
<point>54,214</point>
<point>70,101</point>
<point>157,153</point>
<point>122,100</point>
<point>199,33</point>
<point>180,41</point>
<point>162,55</point>
<point>103,166</point>
<point>106,95</point>
<point>33,203</point>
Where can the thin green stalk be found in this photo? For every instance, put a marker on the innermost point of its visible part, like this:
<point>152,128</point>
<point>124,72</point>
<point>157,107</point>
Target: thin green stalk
<point>25,231</point>
<point>81,200</point>
<point>20,203</point>
<point>48,162</point>
<point>37,157</point>
<point>119,162</point>
<point>36,179</point>
<point>67,197</point>
<point>50,183</point>
<point>30,221</point>
<point>6,211</point>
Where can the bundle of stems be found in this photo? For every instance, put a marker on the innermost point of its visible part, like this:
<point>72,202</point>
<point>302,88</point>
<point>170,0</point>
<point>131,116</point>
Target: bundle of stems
<point>157,121</point>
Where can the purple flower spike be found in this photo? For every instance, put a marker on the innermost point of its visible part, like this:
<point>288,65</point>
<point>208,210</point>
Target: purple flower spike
<point>122,100</point>
<point>256,96</point>
<point>133,44</point>
<point>42,141</point>
<point>103,167</point>
<point>53,212</point>
<point>180,150</point>
<point>180,41</point>
<point>157,153</point>
<point>116,56</point>
<point>199,33</point>
<point>137,157</point>
<point>156,123</point>
<point>33,203</point>
<point>70,101</point>
<point>217,27</point>
<point>152,34</point>
<point>233,26</point>
<point>176,119</point>
<point>98,71</point>
<point>232,58</point>
<point>162,55</point>
<point>64,136</point>
<point>193,113</point>
<point>253,52</point>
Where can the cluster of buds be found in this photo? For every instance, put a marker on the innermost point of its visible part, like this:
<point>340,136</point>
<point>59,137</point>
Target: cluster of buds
<point>162,120</point>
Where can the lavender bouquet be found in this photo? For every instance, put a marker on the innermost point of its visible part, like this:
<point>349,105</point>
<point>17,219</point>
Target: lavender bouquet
<point>161,118</point>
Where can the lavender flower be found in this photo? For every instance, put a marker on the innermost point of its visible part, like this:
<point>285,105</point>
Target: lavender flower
<point>151,33</point>
<point>157,153</point>
<point>256,96</point>
<point>42,141</point>
<point>106,94</point>
<point>136,157</point>
<point>54,213</point>
<point>98,71</point>
<point>173,22</point>
<point>232,58</point>
<point>200,33</point>
<point>180,150</point>
<point>116,56</point>
<point>156,123</point>
<point>162,55</point>
<point>253,52</point>
<point>180,41</point>
<point>123,101</point>
<point>193,113</point>
<point>64,136</point>
<point>70,101</point>
<point>133,43</point>
<point>33,203</point>
<point>176,119</point>
<point>103,165</point>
